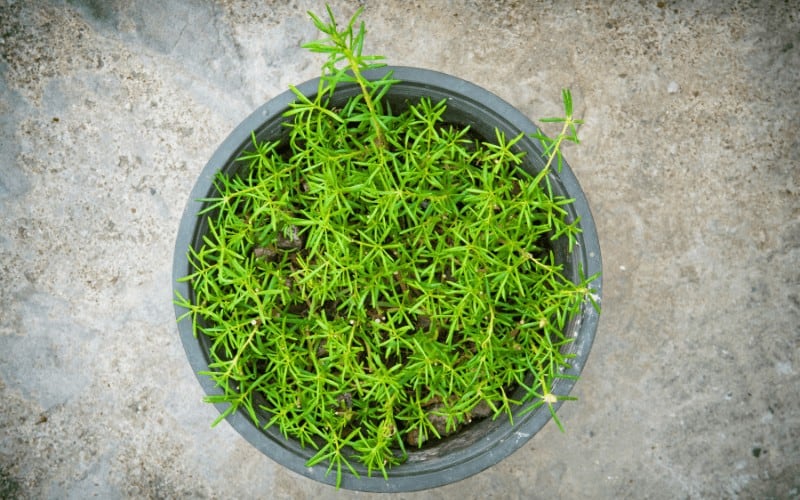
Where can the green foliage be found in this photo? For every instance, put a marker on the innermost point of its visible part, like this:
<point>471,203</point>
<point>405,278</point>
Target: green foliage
<point>380,279</point>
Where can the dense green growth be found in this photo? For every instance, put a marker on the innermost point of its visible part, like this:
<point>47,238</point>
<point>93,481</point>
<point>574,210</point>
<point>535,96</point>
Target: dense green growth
<point>381,278</point>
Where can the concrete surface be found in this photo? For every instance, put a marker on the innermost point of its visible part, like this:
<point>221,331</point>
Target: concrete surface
<point>690,159</point>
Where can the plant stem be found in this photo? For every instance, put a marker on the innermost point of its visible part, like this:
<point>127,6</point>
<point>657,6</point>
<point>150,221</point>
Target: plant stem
<point>380,142</point>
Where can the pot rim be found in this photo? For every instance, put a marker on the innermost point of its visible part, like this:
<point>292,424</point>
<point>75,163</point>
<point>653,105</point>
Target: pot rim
<point>423,470</point>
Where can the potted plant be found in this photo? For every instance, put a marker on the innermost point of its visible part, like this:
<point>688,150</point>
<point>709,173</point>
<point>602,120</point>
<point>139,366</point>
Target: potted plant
<point>387,278</point>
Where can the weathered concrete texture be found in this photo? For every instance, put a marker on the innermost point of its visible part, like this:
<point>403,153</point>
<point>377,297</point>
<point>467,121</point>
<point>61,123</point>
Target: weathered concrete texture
<point>690,158</point>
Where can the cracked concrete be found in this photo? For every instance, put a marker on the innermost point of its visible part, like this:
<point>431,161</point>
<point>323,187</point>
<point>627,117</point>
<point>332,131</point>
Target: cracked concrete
<point>690,160</point>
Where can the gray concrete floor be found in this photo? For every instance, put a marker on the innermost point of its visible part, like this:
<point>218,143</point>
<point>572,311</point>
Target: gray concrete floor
<point>690,159</point>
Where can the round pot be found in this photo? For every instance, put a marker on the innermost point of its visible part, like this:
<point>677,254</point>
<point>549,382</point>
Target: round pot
<point>484,443</point>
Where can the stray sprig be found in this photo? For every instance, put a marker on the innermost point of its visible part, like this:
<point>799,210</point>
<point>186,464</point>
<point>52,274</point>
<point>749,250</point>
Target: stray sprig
<point>569,132</point>
<point>345,46</point>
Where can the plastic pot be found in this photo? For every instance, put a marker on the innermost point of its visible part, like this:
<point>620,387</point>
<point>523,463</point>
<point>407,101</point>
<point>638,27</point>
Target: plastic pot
<point>484,443</point>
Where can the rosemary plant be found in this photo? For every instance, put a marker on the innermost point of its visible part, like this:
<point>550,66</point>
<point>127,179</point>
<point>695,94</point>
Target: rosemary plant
<point>382,278</point>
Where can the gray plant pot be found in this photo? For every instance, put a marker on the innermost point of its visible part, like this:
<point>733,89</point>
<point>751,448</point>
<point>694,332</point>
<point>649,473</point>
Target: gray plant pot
<point>484,443</point>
